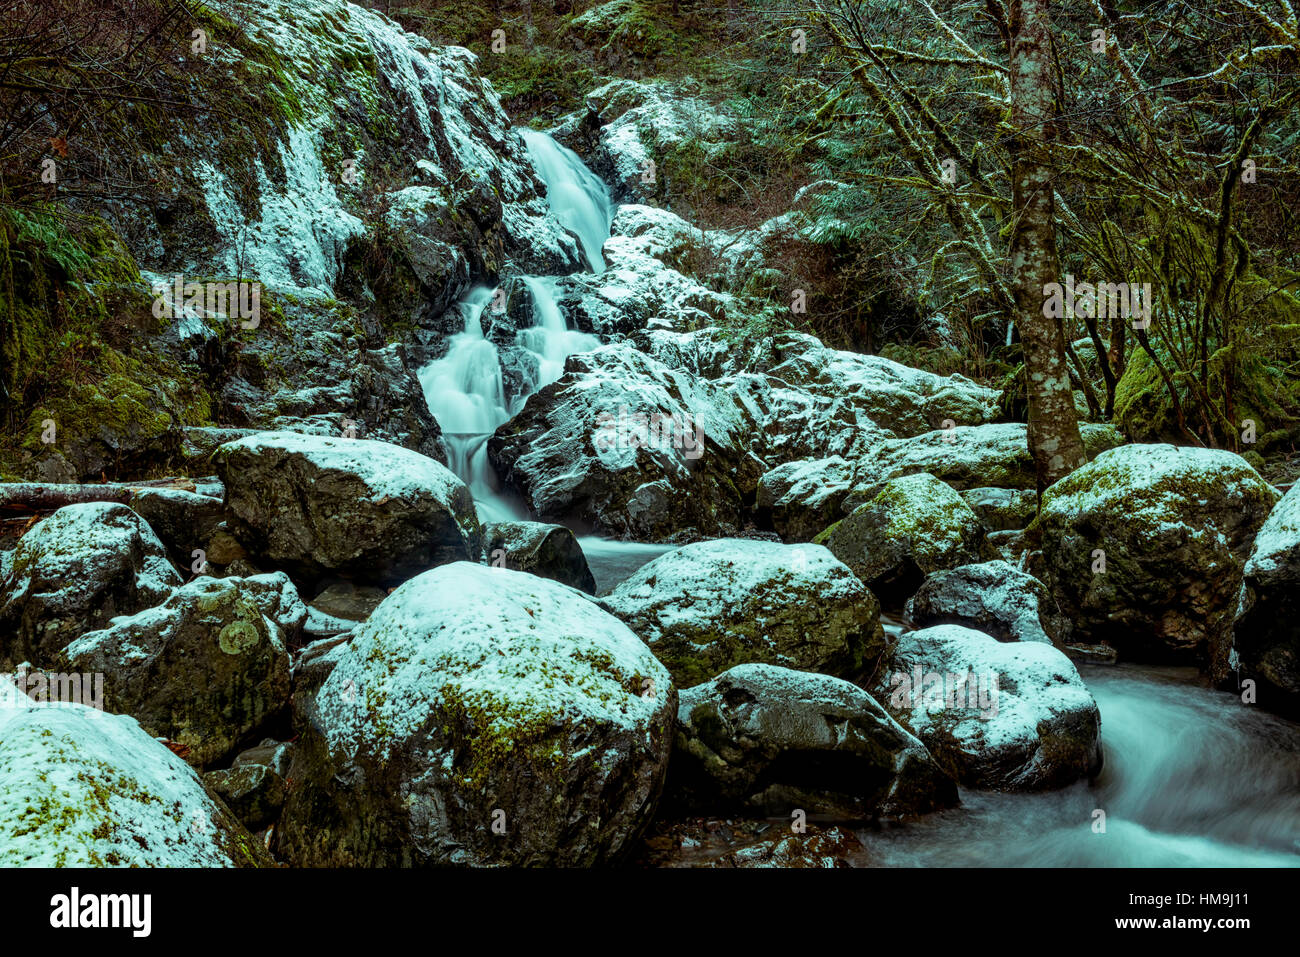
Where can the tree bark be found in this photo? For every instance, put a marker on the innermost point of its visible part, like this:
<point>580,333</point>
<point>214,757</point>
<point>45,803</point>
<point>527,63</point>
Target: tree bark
<point>1054,440</point>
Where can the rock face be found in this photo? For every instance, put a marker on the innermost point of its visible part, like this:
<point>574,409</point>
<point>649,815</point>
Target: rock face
<point>800,499</point>
<point>205,669</point>
<point>551,551</point>
<point>908,528</point>
<point>86,789</point>
<point>771,740</point>
<point>1002,716</point>
<point>315,505</point>
<point>1176,526</point>
<point>707,607</point>
<point>480,717</point>
<point>1266,636</point>
<point>996,598</point>
<point>73,572</point>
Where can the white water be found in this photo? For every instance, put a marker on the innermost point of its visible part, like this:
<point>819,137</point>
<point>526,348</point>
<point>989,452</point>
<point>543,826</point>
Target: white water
<point>465,389</point>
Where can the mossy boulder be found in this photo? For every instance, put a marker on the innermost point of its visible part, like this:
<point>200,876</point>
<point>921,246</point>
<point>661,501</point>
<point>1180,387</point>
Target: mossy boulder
<point>480,717</point>
<point>907,528</point>
<point>551,551</point>
<point>1266,635</point>
<point>253,792</point>
<point>86,789</point>
<point>314,505</point>
<point>73,573</point>
<point>769,740</point>
<point>1172,528</point>
<point>1005,716</point>
<point>206,669</point>
<point>707,607</point>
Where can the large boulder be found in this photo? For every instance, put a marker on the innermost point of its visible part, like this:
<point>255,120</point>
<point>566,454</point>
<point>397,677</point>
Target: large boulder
<point>770,740</point>
<point>907,528</point>
<point>974,456</point>
<point>1005,716</point>
<point>206,669</point>
<point>314,505</point>
<point>86,789</point>
<point>551,551</point>
<point>1266,637</point>
<point>707,607</point>
<point>800,499</point>
<point>1175,526</point>
<point>72,573</point>
<point>993,597</point>
<point>481,717</point>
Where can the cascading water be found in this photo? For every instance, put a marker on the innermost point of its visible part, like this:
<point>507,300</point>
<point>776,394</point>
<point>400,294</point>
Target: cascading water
<point>465,389</point>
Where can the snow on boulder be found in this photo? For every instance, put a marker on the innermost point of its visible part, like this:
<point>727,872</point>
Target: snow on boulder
<point>800,499</point>
<point>907,528</point>
<point>205,669</point>
<point>994,597</point>
<point>73,572</point>
<point>1266,636</point>
<point>551,551</point>
<point>769,740</point>
<point>707,607</point>
<point>480,717</point>
<point>86,789</point>
<point>995,715</point>
<point>314,505</point>
<point>971,456</point>
<point>1144,547</point>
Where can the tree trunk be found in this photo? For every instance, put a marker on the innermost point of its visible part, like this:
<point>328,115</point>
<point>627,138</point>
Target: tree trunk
<point>1054,440</point>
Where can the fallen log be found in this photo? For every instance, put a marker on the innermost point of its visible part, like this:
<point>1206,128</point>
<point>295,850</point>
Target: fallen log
<point>47,497</point>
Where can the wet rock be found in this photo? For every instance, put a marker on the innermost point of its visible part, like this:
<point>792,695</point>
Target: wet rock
<point>1005,716</point>
<point>253,792</point>
<point>480,717</point>
<point>551,551</point>
<point>773,741</point>
<point>317,506</point>
<point>74,572</point>
<point>707,607</point>
<point>994,597</point>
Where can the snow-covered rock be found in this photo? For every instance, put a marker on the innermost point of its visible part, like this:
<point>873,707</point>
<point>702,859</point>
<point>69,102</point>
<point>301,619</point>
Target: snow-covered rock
<point>183,521</point>
<point>800,499</point>
<point>770,740</point>
<point>1266,635</point>
<point>707,607</point>
<point>973,456</point>
<point>1002,509</point>
<point>75,571</point>
<point>205,669</point>
<point>551,551</point>
<point>480,717</point>
<point>994,597</point>
<point>314,505</point>
<point>86,789</point>
<point>1006,716</point>
<point>906,529</point>
<point>1172,528</point>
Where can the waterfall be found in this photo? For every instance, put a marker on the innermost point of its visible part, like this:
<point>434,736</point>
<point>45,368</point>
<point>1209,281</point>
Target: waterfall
<point>465,389</point>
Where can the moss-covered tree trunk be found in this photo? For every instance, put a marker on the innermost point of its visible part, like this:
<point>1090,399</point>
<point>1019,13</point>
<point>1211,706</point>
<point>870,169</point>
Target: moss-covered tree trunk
<point>1054,440</point>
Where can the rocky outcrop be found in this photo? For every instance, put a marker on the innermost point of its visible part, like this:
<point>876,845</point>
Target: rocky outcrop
<point>770,740</point>
<point>74,572</point>
<point>100,792</point>
<point>1266,635</point>
<point>908,528</point>
<point>1144,547</point>
<point>707,607</point>
<point>314,506</point>
<point>1005,716</point>
<point>480,717</point>
<point>206,669</point>
<point>550,551</point>
<point>996,598</point>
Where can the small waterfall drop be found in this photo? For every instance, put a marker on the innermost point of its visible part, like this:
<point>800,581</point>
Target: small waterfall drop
<point>465,389</point>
